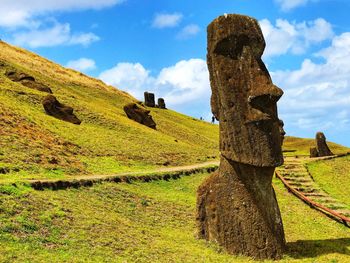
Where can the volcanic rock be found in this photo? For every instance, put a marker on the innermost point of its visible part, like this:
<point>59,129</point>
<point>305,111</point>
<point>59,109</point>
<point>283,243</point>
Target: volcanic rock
<point>236,206</point>
<point>139,114</point>
<point>27,80</point>
<point>149,99</point>
<point>161,103</point>
<point>54,108</point>
<point>321,145</point>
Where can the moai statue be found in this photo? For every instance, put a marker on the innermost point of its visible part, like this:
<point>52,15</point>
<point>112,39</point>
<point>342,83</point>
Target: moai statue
<point>161,103</point>
<point>140,115</point>
<point>149,99</point>
<point>236,206</point>
<point>54,108</point>
<point>321,145</point>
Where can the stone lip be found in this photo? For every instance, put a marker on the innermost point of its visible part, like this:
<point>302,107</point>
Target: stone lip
<point>54,108</point>
<point>139,114</point>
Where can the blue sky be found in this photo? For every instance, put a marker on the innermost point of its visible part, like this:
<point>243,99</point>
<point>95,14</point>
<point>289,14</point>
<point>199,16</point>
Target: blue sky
<point>160,46</point>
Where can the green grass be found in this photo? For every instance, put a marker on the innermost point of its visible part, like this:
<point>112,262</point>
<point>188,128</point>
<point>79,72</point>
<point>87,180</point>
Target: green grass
<point>143,222</point>
<point>106,141</point>
<point>333,176</point>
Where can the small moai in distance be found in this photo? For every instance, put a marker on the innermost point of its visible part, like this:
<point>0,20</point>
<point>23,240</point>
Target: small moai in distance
<point>161,103</point>
<point>237,206</point>
<point>149,99</point>
<point>322,148</point>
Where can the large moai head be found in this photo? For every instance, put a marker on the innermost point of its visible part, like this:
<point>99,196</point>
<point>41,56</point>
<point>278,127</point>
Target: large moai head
<point>244,98</point>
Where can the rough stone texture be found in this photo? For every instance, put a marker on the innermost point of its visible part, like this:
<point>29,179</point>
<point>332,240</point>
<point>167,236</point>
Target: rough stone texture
<point>236,206</point>
<point>54,108</point>
<point>27,80</point>
<point>149,99</point>
<point>313,152</point>
<point>139,114</point>
<point>161,103</point>
<point>321,145</point>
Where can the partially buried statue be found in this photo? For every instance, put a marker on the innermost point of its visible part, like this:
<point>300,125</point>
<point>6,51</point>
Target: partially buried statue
<point>236,206</point>
<point>54,108</point>
<point>139,114</point>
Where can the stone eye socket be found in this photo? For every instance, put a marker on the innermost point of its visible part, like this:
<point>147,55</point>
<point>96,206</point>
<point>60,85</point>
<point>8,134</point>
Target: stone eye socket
<point>264,101</point>
<point>233,46</point>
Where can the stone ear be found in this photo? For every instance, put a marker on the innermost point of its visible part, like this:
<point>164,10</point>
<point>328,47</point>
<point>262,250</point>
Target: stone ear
<point>214,102</point>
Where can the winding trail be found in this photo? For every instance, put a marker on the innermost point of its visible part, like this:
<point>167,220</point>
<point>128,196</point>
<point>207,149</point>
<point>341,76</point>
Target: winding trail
<point>297,178</point>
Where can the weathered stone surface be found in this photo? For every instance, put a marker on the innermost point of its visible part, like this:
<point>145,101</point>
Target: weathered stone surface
<point>236,206</point>
<point>321,145</point>
<point>54,108</point>
<point>161,103</point>
<point>139,114</point>
<point>27,80</point>
<point>313,152</point>
<point>149,99</point>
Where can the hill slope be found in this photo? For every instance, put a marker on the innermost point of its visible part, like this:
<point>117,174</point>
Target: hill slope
<point>106,141</point>
<point>33,143</point>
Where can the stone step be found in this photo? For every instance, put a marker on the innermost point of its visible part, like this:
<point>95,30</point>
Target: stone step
<point>307,189</point>
<point>299,179</point>
<point>336,206</point>
<point>344,212</point>
<point>324,199</point>
<point>302,184</point>
<point>316,194</point>
<point>294,175</point>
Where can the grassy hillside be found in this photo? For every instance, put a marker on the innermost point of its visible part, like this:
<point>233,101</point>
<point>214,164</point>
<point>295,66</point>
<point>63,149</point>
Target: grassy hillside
<point>333,176</point>
<point>106,141</point>
<point>35,145</point>
<point>143,222</point>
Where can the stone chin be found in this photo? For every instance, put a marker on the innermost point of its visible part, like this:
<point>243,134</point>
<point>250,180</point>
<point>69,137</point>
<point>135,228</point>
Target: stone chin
<point>267,150</point>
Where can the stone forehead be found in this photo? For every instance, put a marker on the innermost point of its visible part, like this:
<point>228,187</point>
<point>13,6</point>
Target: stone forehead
<point>233,25</point>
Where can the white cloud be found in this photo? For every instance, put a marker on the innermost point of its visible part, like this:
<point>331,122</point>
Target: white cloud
<point>165,20</point>
<point>294,37</point>
<point>287,5</point>
<point>317,96</point>
<point>82,64</point>
<point>58,34</point>
<point>183,85</point>
<point>189,31</point>
<point>21,12</point>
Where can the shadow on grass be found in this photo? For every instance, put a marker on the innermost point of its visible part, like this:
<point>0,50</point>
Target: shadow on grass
<point>313,248</point>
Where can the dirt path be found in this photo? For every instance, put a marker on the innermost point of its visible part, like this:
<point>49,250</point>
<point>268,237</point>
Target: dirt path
<point>295,173</point>
<point>165,173</point>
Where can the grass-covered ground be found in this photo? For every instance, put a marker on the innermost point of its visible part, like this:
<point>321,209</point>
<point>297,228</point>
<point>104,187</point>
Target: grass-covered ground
<point>142,222</point>
<point>33,143</point>
<point>333,176</point>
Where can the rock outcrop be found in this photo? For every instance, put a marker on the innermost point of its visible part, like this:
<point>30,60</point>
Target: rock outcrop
<point>149,99</point>
<point>54,108</point>
<point>236,206</point>
<point>322,148</point>
<point>27,80</point>
<point>161,103</point>
<point>139,114</point>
